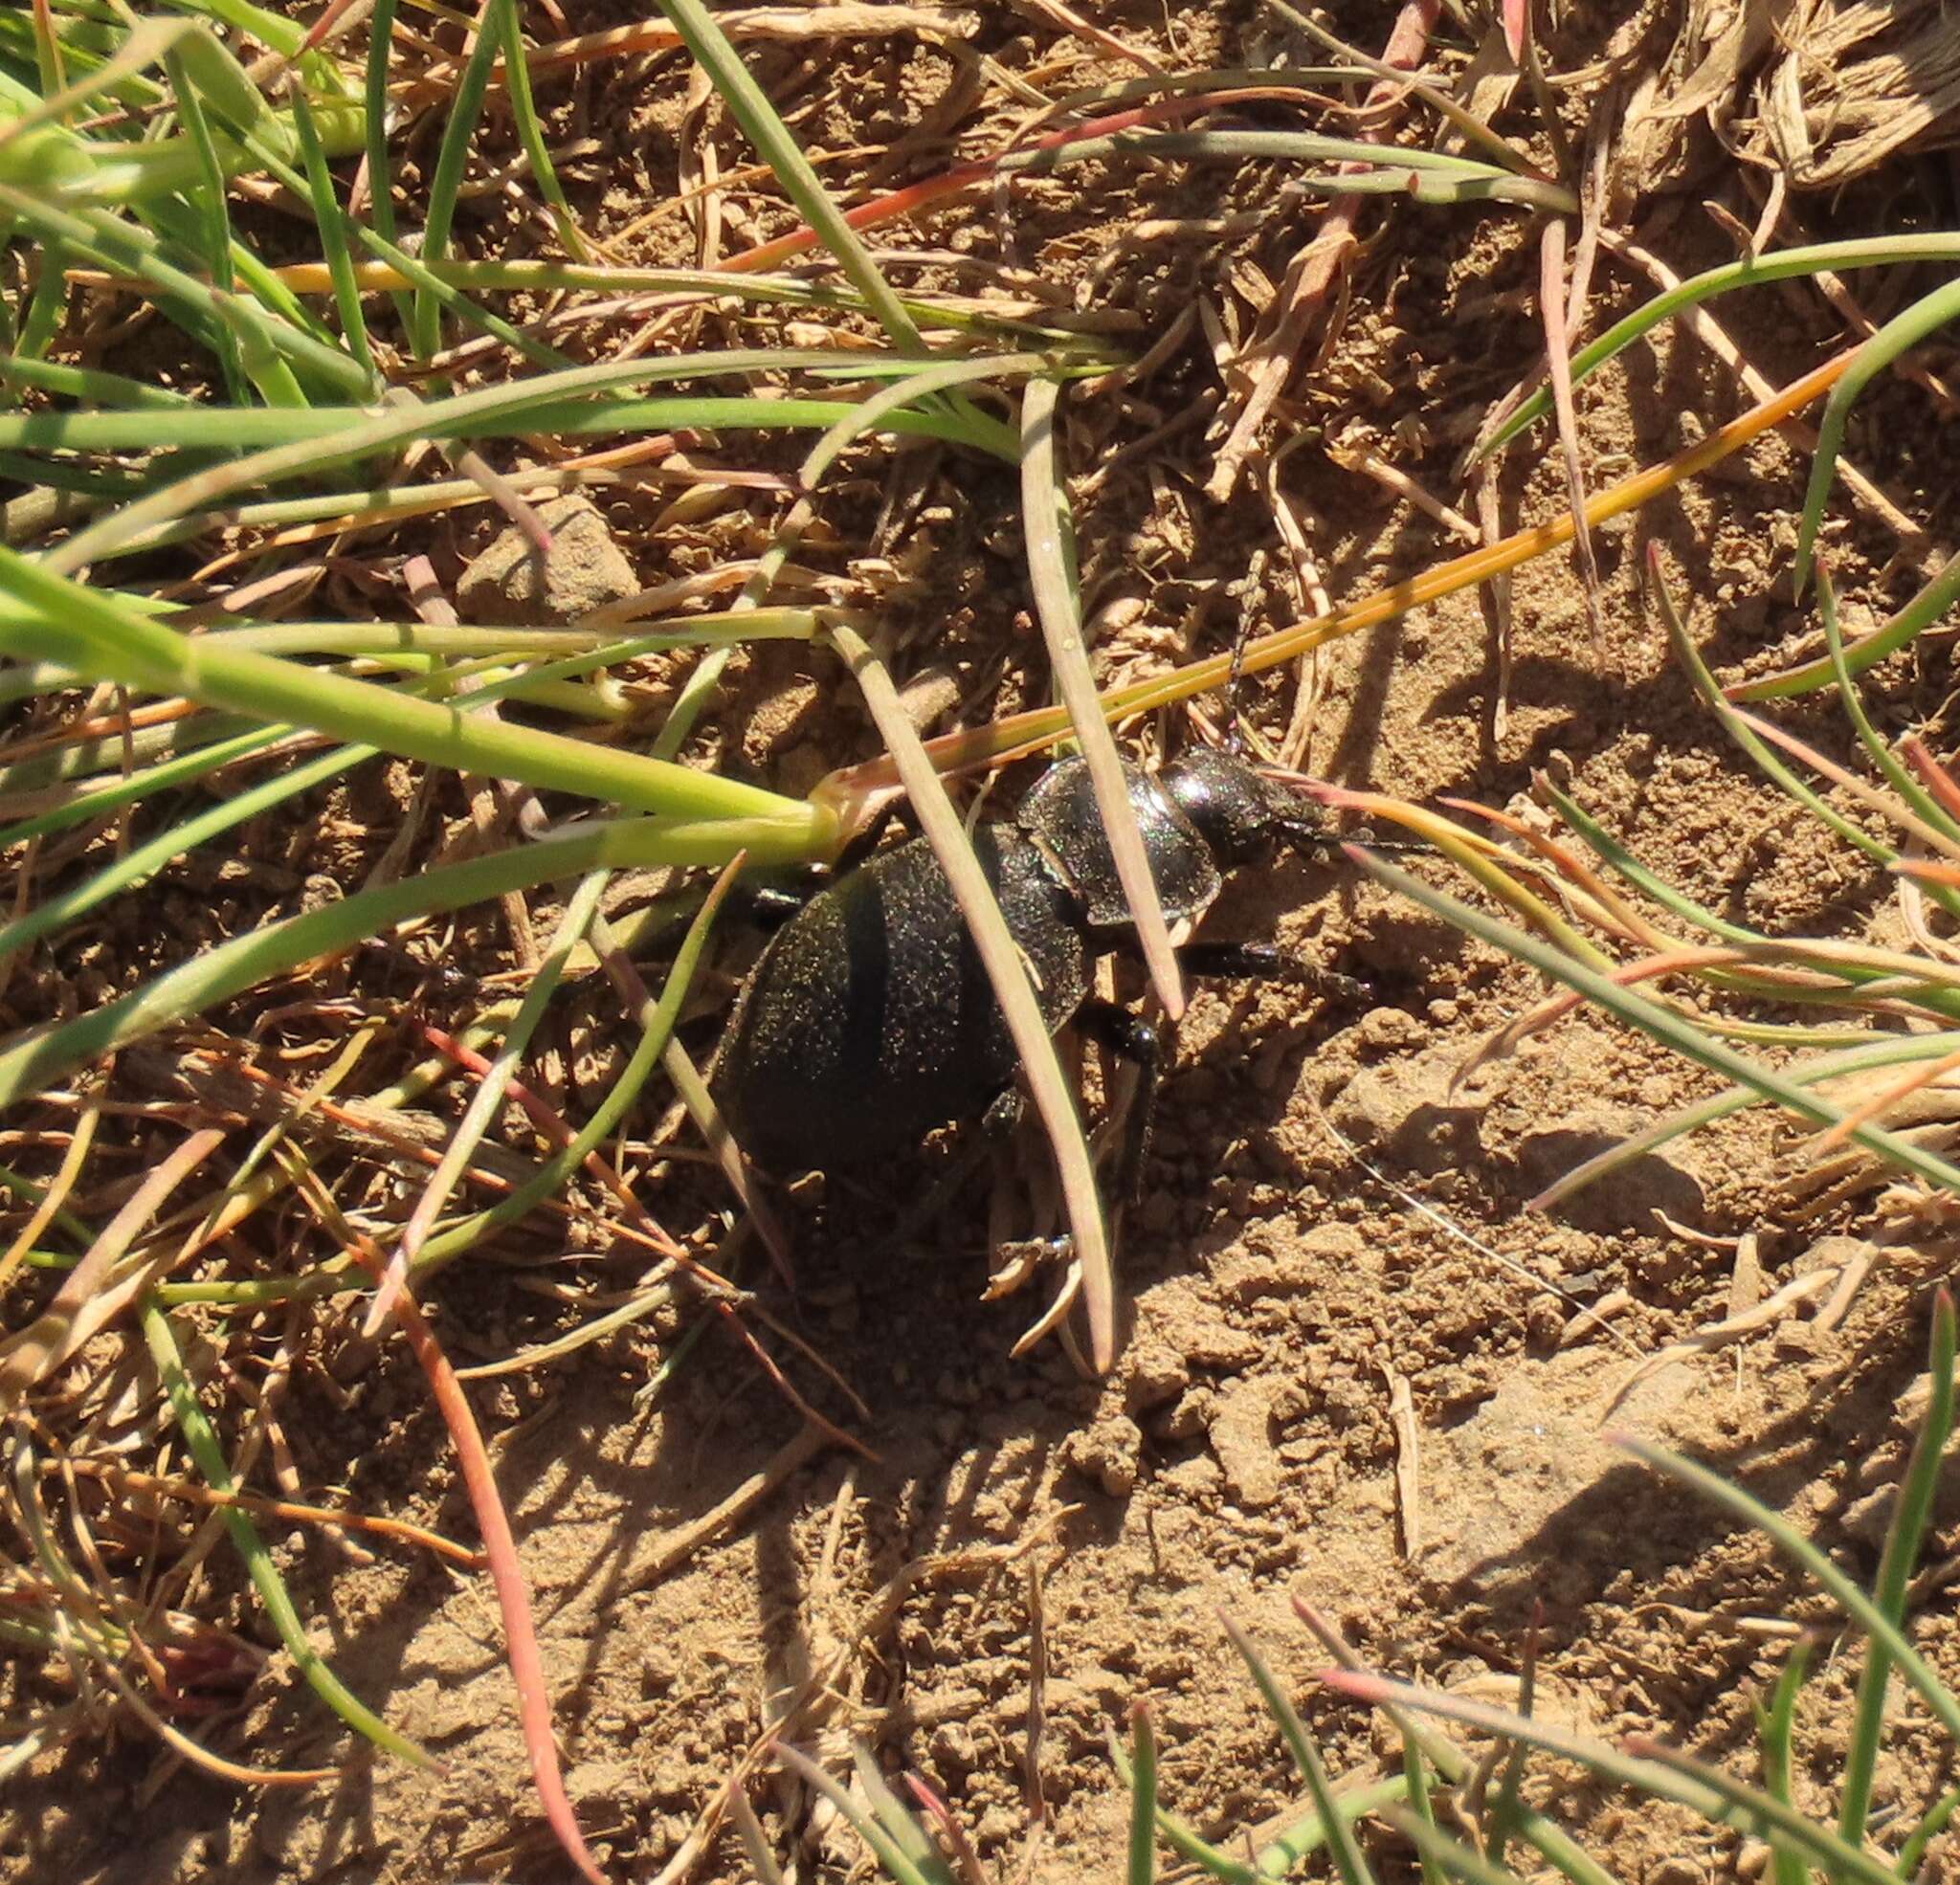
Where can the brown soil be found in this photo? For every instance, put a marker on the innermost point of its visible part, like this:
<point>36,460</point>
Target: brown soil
<point>1327,1216</point>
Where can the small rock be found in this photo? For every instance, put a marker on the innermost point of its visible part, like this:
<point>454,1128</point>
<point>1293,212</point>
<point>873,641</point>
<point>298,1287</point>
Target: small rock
<point>1633,1192</point>
<point>1407,1108</point>
<point>1109,1452</point>
<point>1836,1254</point>
<point>1061,1696</point>
<point>1517,1492</point>
<point>601,1783</point>
<point>1278,1261</point>
<point>1189,1418</point>
<point>929,696</point>
<point>585,570</point>
<point>1241,1437</point>
<point>1219,1346</point>
<point>1156,1373</point>
<point>1383,1028</point>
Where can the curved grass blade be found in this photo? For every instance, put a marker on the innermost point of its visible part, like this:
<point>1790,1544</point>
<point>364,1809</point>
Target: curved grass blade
<point>1660,1022</point>
<point>1052,575</point>
<point>881,408</point>
<point>1811,259</point>
<point>1348,1862</point>
<point>1282,1857</point>
<point>1902,1539</point>
<point>1791,1542</point>
<point>203,1442</point>
<point>1905,329</point>
<point>517,79</point>
<point>333,241</point>
<point>1902,781</point>
<point>1926,607</point>
<point>1008,971</point>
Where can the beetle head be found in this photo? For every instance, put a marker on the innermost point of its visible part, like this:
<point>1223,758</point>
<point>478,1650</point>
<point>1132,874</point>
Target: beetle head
<point>1241,815</point>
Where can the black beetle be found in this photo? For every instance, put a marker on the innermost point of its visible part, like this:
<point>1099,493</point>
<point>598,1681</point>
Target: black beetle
<point>869,1018</point>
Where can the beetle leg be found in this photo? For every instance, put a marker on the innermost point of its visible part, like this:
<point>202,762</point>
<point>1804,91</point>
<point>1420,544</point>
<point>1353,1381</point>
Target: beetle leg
<point>771,905</point>
<point>1304,830</point>
<point>1252,962</point>
<point>1003,1113</point>
<point>1131,1037</point>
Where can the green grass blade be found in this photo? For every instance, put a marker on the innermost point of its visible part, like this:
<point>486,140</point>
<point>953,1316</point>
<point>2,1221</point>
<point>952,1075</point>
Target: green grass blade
<point>657,1028</point>
<point>207,204</point>
<point>1912,1854</point>
<point>32,1061</point>
<point>1776,1728</point>
<point>1348,1862</point>
<point>889,1853</point>
<point>1281,1856</point>
<point>1419,1808</point>
<point>748,104</point>
<point>459,125</point>
<point>1924,609</point>
<point>1657,1772</point>
<point>1007,970</point>
<point>524,111</point>
<point>333,241</point>
<point>142,861</point>
<point>1894,1051</point>
<point>1439,1854</point>
<point>1141,1866</point>
<point>492,1087</point>
<point>1791,1542</point>
<point>1904,331</point>
<point>374,133</point>
<point>1813,259</point>
<point>1608,848</point>
<point>202,1440</point>
<point>87,631</point>
<point>1902,1541</point>
<point>91,384</point>
<point>1766,758</point>
<point>1047,529</point>
<point>1876,750</point>
<point>1664,1024</point>
<point>1288,1849</point>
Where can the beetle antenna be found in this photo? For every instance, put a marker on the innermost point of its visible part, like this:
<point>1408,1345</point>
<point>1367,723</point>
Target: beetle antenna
<point>1235,688</point>
<point>1307,833</point>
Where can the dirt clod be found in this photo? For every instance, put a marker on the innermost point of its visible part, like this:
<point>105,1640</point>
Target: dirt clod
<point>510,582</point>
<point>1242,1434</point>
